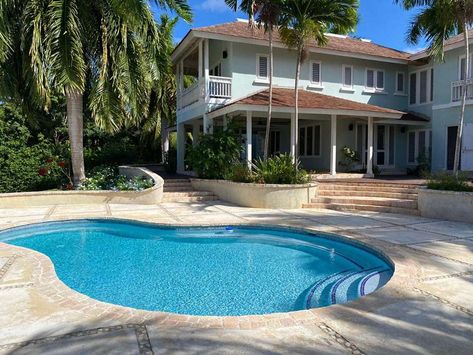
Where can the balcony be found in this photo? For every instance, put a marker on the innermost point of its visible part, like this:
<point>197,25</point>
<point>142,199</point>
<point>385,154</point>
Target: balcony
<point>218,88</point>
<point>457,90</point>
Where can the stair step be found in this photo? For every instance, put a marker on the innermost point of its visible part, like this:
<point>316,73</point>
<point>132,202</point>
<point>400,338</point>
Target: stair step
<point>190,199</point>
<point>360,207</point>
<point>326,187</point>
<point>369,184</point>
<point>178,188</point>
<point>397,195</point>
<point>373,201</point>
<point>192,193</point>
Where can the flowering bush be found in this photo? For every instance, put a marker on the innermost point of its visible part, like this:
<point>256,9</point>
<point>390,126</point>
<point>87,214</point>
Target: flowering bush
<point>108,178</point>
<point>350,157</point>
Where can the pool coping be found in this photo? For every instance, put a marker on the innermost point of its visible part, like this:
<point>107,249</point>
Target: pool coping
<point>48,284</point>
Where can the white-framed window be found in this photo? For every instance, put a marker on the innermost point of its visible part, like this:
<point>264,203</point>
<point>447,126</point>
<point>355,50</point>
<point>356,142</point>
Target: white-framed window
<point>374,80</point>
<point>347,76</point>
<point>462,67</point>
<point>310,138</point>
<point>400,83</point>
<point>262,67</point>
<point>275,142</point>
<point>418,142</point>
<point>421,86</point>
<point>316,73</point>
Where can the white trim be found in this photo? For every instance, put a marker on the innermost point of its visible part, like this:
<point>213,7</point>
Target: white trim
<point>347,90</point>
<point>259,78</point>
<point>450,105</point>
<point>344,86</point>
<point>425,54</point>
<point>375,88</point>
<point>311,67</point>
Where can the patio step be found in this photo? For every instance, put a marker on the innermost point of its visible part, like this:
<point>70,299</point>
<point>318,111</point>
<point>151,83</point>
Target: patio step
<point>372,201</point>
<point>365,208</point>
<point>386,194</point>
<point>369,187</point>
<point>181,190</point>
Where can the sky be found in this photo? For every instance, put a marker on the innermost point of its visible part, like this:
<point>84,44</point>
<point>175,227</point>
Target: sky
<point>381,21</point>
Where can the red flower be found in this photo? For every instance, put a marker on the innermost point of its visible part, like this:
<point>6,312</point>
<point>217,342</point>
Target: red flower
<point>43,171</point>
<point>61,164</point>
<point>49,160</point>
<point>68,187</point>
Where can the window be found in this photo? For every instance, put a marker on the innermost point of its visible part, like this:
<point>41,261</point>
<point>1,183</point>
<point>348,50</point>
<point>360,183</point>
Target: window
<point>315,73</point>
<point>262,67</point>
<point>462,67</point>
<point>309,141</point>
<point>412,89</point>
<point>431,84</point>
<point>347,76</point>
<point>275,142</point>
<point>423,87</point>
<point>400,83</point>
<point>419,142</point>
<point>374,79</point>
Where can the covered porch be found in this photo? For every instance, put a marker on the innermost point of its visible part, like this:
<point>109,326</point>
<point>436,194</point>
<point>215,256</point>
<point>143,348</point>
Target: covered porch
<point>326,125</point>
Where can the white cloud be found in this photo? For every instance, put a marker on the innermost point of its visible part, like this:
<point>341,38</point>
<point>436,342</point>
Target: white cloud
<point>214,6</point>
<point>413,50</point>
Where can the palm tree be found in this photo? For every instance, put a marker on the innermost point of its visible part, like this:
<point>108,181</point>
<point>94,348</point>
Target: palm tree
<point>105,52</point>
<point>266,13</point>
<point>437,21</point>
<point>305,21</point>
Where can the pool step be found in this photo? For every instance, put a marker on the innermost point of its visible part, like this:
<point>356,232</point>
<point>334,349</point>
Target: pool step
<point>181,190</point>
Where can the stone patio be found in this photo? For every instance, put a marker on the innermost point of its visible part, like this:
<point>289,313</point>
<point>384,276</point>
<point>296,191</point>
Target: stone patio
<point>427,308</point>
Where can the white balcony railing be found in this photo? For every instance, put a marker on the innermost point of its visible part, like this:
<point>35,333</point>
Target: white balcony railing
<point>219,88</point>
<point>457,90</point>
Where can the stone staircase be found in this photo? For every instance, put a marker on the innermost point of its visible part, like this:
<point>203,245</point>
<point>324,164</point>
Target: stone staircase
<point>181,190</point>
<point>367,195</point>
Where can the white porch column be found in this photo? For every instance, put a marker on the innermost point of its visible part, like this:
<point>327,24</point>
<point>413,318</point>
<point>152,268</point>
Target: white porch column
<point>206,70</point>
<point>225,122</point>
<point>208,124</point>
<point>333,145</point>
<point>201,56</point>
<point>369,159</point>
<point>293,137</point>
<point>249,137</point>
<point>195,132</point>
<point>181,75</point>
<point>181,147</point>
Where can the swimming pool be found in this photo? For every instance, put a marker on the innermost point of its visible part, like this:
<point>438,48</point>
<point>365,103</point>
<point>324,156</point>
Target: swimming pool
<point>204,271</point>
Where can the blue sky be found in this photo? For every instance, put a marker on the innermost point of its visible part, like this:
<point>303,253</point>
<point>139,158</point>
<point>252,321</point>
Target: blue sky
<point>380,20</point>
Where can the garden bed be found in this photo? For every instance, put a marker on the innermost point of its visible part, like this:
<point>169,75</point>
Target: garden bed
<point>259,195</point>
<point>149,196</point>
<point>450,205</point>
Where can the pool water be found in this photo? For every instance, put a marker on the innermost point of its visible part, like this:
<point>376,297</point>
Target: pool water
<point>204,271</point>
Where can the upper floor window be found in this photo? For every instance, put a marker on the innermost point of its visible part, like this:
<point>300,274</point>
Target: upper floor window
<point>315,73</point>
<point>262,64</point>
<point>347,76</point>
<point>462,67</point>
<point>400,83</point>
<point>421,87</point>
<point>374,79</point>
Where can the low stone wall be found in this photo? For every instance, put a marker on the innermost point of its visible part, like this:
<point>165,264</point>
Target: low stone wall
<point>149,196</point>
<point>259,195</point>
<point>451,205</point>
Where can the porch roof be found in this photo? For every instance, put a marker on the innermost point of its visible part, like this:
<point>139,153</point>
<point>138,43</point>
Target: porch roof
<point>309,102</point>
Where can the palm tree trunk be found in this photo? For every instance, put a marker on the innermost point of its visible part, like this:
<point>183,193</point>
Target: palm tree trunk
<point>75,126</point>
<point>296,104</point>
<point>458,144</point>
<point>270,104</point>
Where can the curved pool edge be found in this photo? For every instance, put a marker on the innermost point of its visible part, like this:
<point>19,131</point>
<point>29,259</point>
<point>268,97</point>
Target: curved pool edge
<point>48,284</point>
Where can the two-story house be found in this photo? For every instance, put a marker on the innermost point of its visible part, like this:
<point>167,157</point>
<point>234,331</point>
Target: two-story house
<point>388,105</point>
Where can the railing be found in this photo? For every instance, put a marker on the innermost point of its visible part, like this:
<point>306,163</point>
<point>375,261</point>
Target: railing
<point>457,90</point>
<point>220,87</point>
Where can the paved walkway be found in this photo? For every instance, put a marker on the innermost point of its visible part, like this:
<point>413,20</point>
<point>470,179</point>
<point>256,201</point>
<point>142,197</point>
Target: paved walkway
<point>427,308</point>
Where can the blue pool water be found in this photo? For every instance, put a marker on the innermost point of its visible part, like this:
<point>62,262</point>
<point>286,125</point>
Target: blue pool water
<point>204,271</point>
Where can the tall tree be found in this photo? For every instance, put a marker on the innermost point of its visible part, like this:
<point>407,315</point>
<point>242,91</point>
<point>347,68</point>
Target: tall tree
<point>266,14</point>
<point>307,21</point>
<point>107,52</point>
<point>437,21</point>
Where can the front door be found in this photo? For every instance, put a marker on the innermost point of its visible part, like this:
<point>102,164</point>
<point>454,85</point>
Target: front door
<point>451,143</point>
<point>384,144</point>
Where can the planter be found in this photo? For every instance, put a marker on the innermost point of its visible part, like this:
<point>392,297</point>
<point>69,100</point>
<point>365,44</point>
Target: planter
<point>259,195</point>
<point>450,205</point>
<point>149,196</point>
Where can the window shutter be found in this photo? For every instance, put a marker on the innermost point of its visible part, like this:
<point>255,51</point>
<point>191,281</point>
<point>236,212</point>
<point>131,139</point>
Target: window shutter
<point>380,80</point>
<point>370,79</point>
<point>263,67</point>
<point>316,73</point>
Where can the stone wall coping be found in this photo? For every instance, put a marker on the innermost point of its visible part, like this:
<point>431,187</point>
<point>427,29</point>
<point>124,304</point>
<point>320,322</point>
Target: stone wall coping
<point>253,184</point>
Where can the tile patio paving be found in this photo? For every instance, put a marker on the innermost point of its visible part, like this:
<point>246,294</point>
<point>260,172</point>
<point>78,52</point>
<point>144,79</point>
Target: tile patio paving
<point>427,309</point>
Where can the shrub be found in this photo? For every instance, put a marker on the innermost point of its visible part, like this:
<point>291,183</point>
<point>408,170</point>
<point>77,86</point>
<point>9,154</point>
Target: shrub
<point>212,156</point>
<point>108,178</point>
<point>280,169</point>
<point>240,172</point>
<point>449,182</point>
<point>350,157</point>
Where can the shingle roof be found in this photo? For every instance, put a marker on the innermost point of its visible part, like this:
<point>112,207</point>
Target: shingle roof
<point>336,43</point>
<point>283,97</point>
